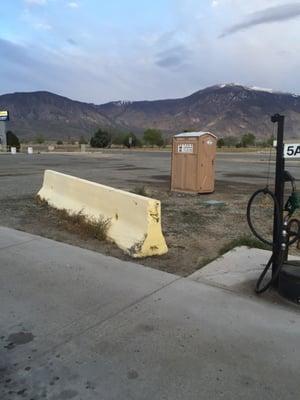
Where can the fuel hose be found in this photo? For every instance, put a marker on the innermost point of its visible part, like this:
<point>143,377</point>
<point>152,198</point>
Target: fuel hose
<point>259,288</point>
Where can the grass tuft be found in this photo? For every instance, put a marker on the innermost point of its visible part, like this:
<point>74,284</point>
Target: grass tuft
<point>244,240</point>
<point>78,223</point>
<point>140,190</point>
<point>41,202</point>
<point>205,260</point>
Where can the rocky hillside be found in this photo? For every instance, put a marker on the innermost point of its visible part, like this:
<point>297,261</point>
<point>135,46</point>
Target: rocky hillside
<point>51,115</point>
<point>223,109</point>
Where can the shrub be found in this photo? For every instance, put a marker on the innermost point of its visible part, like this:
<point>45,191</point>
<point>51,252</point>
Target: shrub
<point>220,143</point>
<point>101,139</point>
<point>153,137</point>
<point>82,140</point>
<point>230,141</point>
<point>118,139</point>
<point>248,140</point>
<point>134,140</point>
<point>39,139</point>
<point>12,140</point>
<point>124,140</point>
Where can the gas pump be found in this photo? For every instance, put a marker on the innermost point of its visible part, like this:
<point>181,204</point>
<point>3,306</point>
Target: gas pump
<point>285,274</point>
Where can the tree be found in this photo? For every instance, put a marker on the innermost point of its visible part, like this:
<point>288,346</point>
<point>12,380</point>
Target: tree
<point>82,140</point>
<point>270,141</point>
<point>220,143</point>
<point>12,140</point>
<point>130,140</point>
<point>230,141</point>
<point>153,137</point>
<point>39,139</point>
<point>124,140</point>
<point>100,139</point>
<point>248,140</point>
<point>59,142</point>
<point>118,139</point>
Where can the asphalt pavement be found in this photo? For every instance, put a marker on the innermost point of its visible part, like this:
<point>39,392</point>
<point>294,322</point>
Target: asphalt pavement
<point>79,325</point>
<point>22,174</point>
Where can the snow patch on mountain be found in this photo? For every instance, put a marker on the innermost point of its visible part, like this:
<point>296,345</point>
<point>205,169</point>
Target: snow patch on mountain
<point>122,102</point>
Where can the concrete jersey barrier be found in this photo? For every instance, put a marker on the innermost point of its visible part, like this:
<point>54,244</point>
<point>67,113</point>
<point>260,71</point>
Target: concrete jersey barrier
<point>135,221</point>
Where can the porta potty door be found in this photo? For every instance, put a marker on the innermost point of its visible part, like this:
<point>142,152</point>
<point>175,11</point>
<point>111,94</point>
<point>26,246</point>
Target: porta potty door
<point>184,164</point>
<point>206,166</point>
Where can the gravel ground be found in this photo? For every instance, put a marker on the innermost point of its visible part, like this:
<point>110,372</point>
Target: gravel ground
<point>196,232</point>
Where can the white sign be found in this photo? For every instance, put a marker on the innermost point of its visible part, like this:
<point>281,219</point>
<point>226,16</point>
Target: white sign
<point>4,116</point>
<point>185,148</point>
<point>291,150</point>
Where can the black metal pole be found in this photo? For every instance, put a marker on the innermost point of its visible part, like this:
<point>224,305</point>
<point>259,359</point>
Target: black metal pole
<point>279,194</point>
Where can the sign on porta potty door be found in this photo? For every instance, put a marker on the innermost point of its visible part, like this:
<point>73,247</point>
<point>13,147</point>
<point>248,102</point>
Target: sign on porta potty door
<point>186,148</point>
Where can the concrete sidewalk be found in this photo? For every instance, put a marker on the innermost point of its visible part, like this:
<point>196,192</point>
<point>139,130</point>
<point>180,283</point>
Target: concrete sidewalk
<point>79,325</point>
<point>238,271</point>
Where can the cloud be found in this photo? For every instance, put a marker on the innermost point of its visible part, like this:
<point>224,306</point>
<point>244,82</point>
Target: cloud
<point>43,26</point>
<point>215,3</point>
<point>172,57</point>
<point>149,62</point>
<point>72,42</point>
<point>14,54</point>
<point>266,16</point>
<point>36,2</point>
<point>73,4</point>
<point>170,49</point>
<point>35,22</point>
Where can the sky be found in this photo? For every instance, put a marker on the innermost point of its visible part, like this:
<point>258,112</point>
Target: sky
<point>99,51</point>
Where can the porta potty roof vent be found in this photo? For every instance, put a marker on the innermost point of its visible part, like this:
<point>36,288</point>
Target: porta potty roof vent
<point>194,134</point>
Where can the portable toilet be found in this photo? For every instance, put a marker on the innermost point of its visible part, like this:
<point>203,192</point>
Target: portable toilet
<point>193,162</point>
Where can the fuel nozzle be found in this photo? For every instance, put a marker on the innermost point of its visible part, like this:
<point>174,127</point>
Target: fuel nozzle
<point>288,177</point>
<point>293,202</point>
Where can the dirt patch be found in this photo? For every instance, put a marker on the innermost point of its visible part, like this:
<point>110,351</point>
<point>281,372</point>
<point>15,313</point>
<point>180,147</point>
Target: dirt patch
<point>195,231</point>
<point>19,338</point>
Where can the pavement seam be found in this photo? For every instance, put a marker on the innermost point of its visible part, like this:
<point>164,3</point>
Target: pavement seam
<point>18,244</point>
<point>208,282</point>
<point>99,323</point>
<point>280,302</point>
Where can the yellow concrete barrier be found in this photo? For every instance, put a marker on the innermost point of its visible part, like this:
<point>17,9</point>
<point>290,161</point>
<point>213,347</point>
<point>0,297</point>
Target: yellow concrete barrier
<point>135,221</point>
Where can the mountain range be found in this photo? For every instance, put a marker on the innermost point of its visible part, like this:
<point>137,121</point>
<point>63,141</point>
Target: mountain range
<point>225,110</point>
